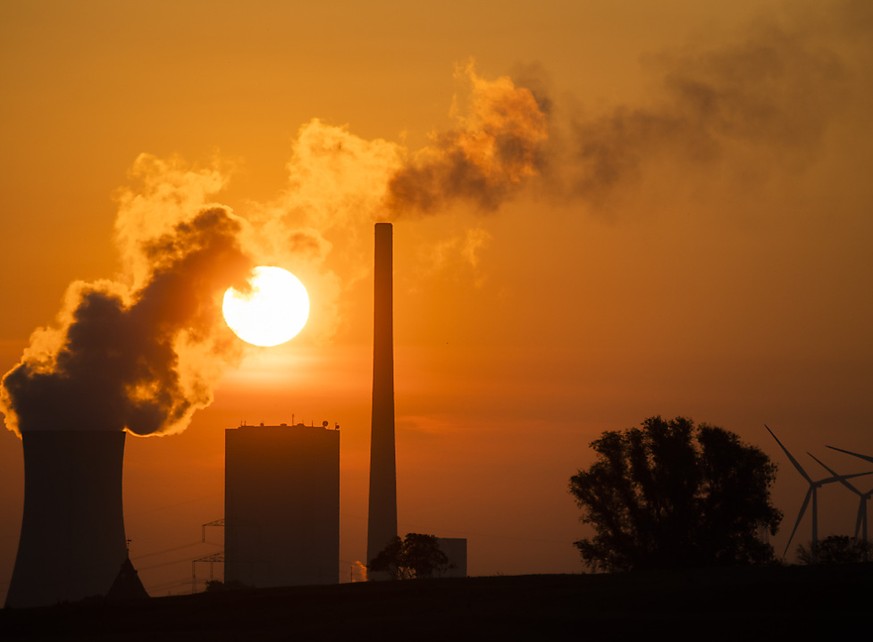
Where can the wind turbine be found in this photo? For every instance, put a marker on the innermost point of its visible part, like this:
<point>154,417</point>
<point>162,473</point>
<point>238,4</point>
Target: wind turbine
<point>861,521</point>
<point>812,493</point>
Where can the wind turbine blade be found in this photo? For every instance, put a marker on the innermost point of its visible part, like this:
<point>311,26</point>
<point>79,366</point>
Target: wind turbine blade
<point>836,476</point>
<point>854,454</point>
<point>862,508</point>
<point>799,517</point>
<point>790,456</point>
<point>828,480</point>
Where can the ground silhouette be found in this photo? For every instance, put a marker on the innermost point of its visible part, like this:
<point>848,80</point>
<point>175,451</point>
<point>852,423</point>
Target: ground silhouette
<point>748,603</point>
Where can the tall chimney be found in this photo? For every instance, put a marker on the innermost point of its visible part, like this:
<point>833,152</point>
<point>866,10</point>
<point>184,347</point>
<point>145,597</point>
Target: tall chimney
<point>382,517</point>
<point>72,542</point>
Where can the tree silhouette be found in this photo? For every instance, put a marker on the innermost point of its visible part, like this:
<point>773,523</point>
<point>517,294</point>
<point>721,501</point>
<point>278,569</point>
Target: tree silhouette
<point>414,556</point>
<point>669,494</point>
<point>836,549</point>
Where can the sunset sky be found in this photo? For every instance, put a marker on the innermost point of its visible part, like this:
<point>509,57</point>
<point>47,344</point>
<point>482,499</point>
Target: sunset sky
<point>660,208</point>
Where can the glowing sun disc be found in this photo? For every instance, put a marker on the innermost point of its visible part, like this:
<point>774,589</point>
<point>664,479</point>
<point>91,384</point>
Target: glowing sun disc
<point>273,312</point>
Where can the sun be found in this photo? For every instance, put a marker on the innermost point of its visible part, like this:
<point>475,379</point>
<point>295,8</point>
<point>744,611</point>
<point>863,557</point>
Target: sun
<point>272,312</point>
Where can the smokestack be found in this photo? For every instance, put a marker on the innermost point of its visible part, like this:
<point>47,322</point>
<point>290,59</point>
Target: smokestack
<point>72,543</point>
<point>382,517</point>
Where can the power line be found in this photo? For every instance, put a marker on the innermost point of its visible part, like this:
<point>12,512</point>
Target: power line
<point>162,564</point>
<point>170,550</point>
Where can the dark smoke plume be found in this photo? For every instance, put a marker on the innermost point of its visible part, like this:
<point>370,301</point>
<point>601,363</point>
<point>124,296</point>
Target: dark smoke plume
<point>118,360</point>
<point>758,105</point>
<point>497,147</point>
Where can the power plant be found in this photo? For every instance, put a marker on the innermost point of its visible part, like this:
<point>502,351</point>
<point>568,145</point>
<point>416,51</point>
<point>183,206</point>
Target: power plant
<point>282,495</point>
<point>72,542</point>
<point>281,505</point>
<point>382,513</point>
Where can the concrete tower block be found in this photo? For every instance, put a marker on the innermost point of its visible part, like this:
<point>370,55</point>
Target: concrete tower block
<point>281,505</point>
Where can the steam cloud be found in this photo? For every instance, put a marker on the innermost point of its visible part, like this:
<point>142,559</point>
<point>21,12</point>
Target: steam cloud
<point>118,360</point>
<point>141,353</point>
<point>771,94</point>
<point>497,146</point>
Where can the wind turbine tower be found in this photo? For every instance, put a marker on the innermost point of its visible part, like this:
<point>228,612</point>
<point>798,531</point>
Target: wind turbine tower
<point>812,493</point>
<point>861,521</point>
<point>863,498</point>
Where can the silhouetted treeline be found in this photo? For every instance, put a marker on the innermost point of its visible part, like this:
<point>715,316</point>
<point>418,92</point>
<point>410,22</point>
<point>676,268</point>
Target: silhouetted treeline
<point>671,494</point>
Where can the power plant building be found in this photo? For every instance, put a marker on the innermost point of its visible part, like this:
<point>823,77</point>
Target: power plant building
<point>281,505</point>
<point>455,550</point>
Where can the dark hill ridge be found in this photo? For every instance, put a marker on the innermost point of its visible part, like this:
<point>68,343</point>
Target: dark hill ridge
<point>721,604</point>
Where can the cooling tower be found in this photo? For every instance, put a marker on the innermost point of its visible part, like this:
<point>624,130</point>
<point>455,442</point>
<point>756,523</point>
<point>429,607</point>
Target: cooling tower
<point>382,517</point>
<point>72,543</point>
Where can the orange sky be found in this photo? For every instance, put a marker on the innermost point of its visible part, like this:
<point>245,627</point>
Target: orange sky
<point>696,241</point>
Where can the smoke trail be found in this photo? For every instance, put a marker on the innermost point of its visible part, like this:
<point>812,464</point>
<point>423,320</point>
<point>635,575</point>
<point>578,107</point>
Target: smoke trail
<point>340,183</point>
<point>758,105</point>
<point>120,358</point>
<point>736,112</point>
<point>338,180</point>
<point>497,146</point>
<point>753,107</point>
